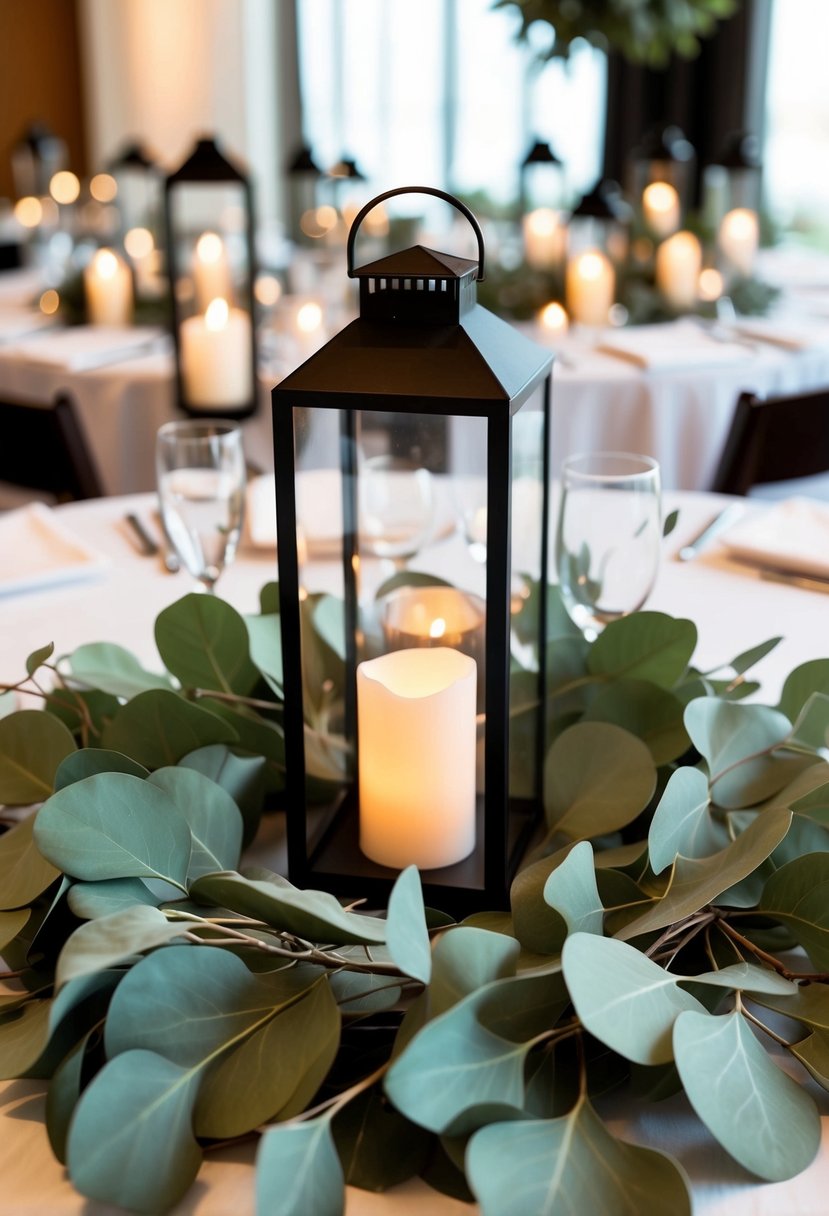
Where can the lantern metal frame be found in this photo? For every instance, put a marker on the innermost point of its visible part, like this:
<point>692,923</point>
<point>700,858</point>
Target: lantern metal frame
<point>496,372</point>
<point>134,159</point>
<point>208,165</point>
<point>541,159</point>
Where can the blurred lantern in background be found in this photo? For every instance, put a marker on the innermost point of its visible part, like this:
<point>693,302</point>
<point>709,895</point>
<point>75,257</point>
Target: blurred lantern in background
<point>36,157</point>
<point>139,189</point>
<point>660,183</point>
<point>304,178</point>
<point>541,198</point>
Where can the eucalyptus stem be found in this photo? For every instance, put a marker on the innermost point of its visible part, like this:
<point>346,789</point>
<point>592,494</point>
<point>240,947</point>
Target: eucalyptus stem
<point>309,954</point>
<point>233,697</point>
<point>761,1025</point>
<point>339,1100</point>
<point>697,918</point>
<point>816,977</point>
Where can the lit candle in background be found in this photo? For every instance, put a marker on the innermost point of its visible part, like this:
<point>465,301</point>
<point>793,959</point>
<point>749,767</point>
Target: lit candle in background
<point>660,208</point>
<point>108,287</point>
<point>590,287</point>
<point>417,757</point>
<point>140,248</point>
<point>710,284</point>
<point>553,319</point>
<point>678,265</point>
<point>216,357</point>
<point>211,271</point>
<point>739,237</point>
<point>544,238</point>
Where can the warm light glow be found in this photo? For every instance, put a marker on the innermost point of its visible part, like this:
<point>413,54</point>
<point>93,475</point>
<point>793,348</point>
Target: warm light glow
<point>139,242</point>
<point>103,187</point>
<point>590,266</point>
<point>659,197</point>
<point>217,314</point>
<point>642,249</point>
<point>554,318</point>
<point>309,318</point>
<point>741,225</point>
<point>376,222</point>
<point>51,212</point>
<point>49,302</point>
<point>437,628</point>
<point>542,222</point>
<point>209,247</point>
<point>28,211</point>
<point>267,290</point>
<point>105,263</point>
<point>327,217</point>
<point>710,284</point>
<point>64,187</point>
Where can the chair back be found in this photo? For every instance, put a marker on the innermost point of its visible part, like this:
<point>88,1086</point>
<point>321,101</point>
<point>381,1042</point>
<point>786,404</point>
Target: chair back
<point>43,448</point>
<point>773,440</point>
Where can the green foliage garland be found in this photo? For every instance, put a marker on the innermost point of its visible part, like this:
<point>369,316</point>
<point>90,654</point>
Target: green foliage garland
<point>674,907</point>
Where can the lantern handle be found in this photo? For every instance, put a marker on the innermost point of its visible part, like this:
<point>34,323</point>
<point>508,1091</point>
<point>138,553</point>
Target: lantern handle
<point>448,198</point>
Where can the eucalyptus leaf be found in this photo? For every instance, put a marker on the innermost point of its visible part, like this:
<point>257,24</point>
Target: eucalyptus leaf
<point>759,1114</point>
<point>797,895</point>
<point>242,776</point>
<point>644,646</point>
<point>623,998</point>
<point>88,761</point>
<point>572,892</point>
<point>809,1005</point>
<point>263,739</point>
<point>464,960</point>
<point>298,1171</point>
<point>211,814</point>
<point>24,871</point>
<point>747,658</point>
<point>801,683</point>
<point>811,728</point>
<point>406,934</point>
<point>737,742</point>
<point>313,915</point>
<point>114,825</point>
<point>269,599</point>
<point>682,821</point>
<point>328,617</point>
<point>813,1054</point>
<point>100,943</point>
<point>32,745</point>
<point>568,1167</point>
<point>651,713</point>
<point>23,1035</point>
<point>697,883</point>
<point>89,900</point>
<point>131,1141</point>
<point>113,669</point>
<point>597,778</point>
<point>537,925</point>
<point>11,923</point>
<point>38,657</point>
<point>748,977</point>
<point>265,641</point>
<point>157,728</point>
<point>670,522</point>
<point>378,1148</point>
<point>62,1098</point>
<point>204,643</point>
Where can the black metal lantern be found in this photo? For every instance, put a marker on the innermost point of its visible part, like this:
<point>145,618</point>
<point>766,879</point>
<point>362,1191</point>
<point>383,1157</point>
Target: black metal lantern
<point>741,166</point>
<point>600,221</point>
<point>661,179</point>
<point>139,180</point>
<point>541,178</point>
<point>414,720</point>
<point>304,178</point>
<point>36,157</point>
<point>208,211</point>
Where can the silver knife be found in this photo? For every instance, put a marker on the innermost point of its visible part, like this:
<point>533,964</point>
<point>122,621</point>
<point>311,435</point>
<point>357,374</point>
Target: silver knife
<point>718,524</point>
<point>146,543</point>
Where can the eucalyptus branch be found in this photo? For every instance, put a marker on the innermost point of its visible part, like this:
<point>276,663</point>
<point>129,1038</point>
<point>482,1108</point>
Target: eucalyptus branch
<point>310,954</point>
<point>340,1100</point>
<point>694,929</point>
<point>762,1025</point>
<point>702,917</point>
<point>816,977</point>
<point>235,698</point>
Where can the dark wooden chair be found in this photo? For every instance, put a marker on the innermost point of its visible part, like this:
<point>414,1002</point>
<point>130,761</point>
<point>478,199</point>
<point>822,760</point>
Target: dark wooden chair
<point>773,440</point>
<point>43,448</point>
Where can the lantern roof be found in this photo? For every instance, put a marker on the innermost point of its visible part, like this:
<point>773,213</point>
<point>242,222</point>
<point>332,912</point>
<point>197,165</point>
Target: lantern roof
<point>207,163</point>
<point>540,153</point>
<point>417,262</point>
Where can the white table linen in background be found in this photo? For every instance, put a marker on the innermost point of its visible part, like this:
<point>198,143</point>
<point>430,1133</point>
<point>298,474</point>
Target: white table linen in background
<point>733,610</point>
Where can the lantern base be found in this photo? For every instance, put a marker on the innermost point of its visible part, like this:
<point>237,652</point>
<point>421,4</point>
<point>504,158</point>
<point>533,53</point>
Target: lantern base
<point>338,865</point>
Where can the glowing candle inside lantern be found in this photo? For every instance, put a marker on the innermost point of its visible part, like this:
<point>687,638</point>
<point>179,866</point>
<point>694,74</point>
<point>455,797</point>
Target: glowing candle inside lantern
<point>710,284</point>
<point>590,287</point>
<point>544,238</point>
<point>108,288</point>
<point>553,319</point>
<point>417,757</point>
<point>211,271</point>
<point>660,208</point>
<point>216,357</point>
<point>678,265</point>
<point>739,237</point>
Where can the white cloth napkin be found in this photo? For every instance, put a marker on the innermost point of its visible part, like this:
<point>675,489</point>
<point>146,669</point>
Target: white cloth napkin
<point>792,333</point>
<point>674,346</point>
<point>82,347</point>
<point>792,535</point>
<point>37,550</point>
<point>319,511</point>
<point>17,321</point>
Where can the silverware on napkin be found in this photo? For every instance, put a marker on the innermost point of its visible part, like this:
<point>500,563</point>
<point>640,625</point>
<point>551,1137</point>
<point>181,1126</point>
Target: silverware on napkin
<point>808,580</point>
<point>149,546</point>
<point>718,524</point>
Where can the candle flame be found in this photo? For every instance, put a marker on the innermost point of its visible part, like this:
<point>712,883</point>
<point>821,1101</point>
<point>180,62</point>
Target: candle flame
<point>309,318</point>
<point>209,247</point>
<point>590,265</point>
<point>28,211</point>
<point>217,314</point>
<point>437,628</point>
<point>554,317</point>
<point>659,196</point>
<point>710,284</point>
<point>103,187</point>
<point>139,242</point>
<point>740,223</point>
<point>106,264</point>
<point>543,221</point>
<point>64,187</point>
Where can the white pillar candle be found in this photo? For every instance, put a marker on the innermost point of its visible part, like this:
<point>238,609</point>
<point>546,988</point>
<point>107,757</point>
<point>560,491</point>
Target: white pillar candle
<point>590,287</point>
<point>678,266</point>
<point>545,236</point>
<point>417,757</point>
<point>660,208</point>
<point>211,271</point>
<point>108,287</point>
<point>216,357</point>
<point>739,237</point>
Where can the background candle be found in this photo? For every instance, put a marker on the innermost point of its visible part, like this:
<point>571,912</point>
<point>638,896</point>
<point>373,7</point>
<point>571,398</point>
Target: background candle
<point>590,286</point>
<point>216,357</point>
<point>108,288</point>
<point>738,239</point>
<point>544,238</point>
<point>416,724</point>
<point>660,208</point>
<point>678,265</point>
<point>211,271</point>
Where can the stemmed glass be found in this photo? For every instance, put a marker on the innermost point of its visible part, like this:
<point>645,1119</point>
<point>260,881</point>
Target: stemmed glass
<point>200,469</point>
<point>608,536</point>
<point>397,508</point>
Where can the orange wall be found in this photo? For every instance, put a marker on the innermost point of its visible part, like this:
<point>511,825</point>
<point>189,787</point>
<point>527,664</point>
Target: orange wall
<point>40,78</point>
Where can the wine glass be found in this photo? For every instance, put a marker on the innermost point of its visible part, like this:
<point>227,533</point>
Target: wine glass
<point>397,508</point>
<point>608,536</point>
<point>200,469</point>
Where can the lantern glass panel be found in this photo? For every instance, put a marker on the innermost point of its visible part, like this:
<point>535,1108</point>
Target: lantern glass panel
<point>209,224</point>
